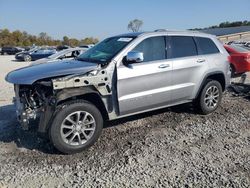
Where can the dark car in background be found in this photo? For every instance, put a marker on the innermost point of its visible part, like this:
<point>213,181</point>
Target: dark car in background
<point>11,50</point>
<point>63,47</point>
<point>35,54</point>
<point>21,55</point>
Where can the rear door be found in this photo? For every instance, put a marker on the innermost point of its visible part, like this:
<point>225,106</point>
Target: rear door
<point>188,67</point>
<point>145,85</point>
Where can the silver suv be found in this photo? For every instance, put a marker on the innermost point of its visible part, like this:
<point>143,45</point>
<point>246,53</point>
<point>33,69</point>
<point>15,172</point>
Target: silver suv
<point>121,76</point>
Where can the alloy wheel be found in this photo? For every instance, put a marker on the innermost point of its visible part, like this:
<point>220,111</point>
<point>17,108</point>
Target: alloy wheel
<point>212,97</point>
<point>77,128</point>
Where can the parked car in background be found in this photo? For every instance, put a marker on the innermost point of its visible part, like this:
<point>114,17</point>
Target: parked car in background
<point>230,42</point>
<point>63,47</point>
<point>27,48</point>
<point>239,59</point>
<point>120,76</point>
<point>11,50</point>
<point>87,46</point>
<point>35,54</point>
<point>68,54</point>
<point>20,56</point>
<point>247,44</point>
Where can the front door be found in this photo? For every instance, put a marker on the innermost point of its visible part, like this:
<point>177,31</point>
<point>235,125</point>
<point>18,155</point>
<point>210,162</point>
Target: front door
<point>146,85</point>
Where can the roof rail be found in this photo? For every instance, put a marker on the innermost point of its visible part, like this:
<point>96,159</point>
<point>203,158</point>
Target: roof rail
<point>160,30</point>
<point>165,30</point>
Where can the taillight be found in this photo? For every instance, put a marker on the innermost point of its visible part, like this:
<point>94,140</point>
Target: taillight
<point>247,58</point>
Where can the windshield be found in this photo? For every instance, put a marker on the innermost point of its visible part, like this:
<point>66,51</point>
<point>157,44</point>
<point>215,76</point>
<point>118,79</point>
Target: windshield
<point>239,48</point>
<point>34,49</point>
<point>105,50</point>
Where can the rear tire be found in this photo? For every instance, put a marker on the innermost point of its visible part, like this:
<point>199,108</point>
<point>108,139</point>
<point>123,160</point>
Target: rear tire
<point>76,127</point>
<point>210,97</point>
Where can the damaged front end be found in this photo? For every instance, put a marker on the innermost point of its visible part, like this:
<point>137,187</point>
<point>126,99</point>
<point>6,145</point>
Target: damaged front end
<point>40,100</point>
<point>30,101</point>
<point>36,94</point>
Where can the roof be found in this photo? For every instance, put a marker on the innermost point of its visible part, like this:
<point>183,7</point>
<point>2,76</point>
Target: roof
<point>227,30</point>
<point>162,31</point>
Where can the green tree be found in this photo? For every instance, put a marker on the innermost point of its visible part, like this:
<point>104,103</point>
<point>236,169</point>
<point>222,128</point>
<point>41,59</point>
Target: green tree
<point>17,38</point>
<point>65,40</point>
<point>89,40</point>
<point>74,42</point>
<point>44,39</point>
<point>22,38</point>
<point>5,37</point>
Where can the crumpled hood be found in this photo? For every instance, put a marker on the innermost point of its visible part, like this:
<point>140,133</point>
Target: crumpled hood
<point>28,75</point>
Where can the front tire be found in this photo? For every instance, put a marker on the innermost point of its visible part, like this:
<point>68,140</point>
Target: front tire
<point>27,58</point>
<point>76,127</point>
<point>210,97</point>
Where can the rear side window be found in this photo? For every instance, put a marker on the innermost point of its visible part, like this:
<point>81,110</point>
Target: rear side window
<point>206,46</point>
<point>153,49</point>
<point>181,46</point>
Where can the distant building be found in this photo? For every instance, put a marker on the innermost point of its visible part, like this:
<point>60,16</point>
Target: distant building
<point>241,33</point>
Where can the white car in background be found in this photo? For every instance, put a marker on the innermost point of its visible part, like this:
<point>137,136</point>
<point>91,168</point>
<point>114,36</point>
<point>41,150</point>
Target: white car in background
<point>247,44</point>
<point>87,46</point>
<point>70,53</point>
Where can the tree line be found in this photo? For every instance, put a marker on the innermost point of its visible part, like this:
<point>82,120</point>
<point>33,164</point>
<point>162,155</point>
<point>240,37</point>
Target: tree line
<point>22,38</point>
<point>226,24</point>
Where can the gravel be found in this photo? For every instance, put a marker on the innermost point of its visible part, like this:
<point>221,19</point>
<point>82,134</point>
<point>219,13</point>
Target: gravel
<point>173,147</point>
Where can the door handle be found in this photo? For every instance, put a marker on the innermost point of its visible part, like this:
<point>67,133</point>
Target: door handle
<point>201,60</point>
<point>163,66</point>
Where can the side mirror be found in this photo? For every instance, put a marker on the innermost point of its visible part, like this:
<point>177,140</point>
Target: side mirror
<point>134,57</point>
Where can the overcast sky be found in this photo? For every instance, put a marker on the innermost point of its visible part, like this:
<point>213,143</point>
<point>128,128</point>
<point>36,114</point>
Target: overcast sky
<point>102,18</point>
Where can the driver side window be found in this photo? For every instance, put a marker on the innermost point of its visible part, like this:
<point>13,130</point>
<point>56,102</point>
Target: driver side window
<point>153,48</point>
<point>67,55</point>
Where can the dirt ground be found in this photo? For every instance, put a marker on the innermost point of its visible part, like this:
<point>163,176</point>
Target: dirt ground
<point>173,147</point>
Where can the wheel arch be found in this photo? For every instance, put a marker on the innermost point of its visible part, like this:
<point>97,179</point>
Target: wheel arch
<point>86,93</point>
<point>218,76</point>
<point>66,95</point>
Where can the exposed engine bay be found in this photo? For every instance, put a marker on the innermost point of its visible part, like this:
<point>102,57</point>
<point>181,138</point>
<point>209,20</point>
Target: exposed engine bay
<point>30,100</point>
<point>39,100</point>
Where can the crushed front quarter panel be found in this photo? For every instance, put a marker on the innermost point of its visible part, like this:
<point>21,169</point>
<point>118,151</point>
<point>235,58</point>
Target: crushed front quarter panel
<point>101,81</point>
